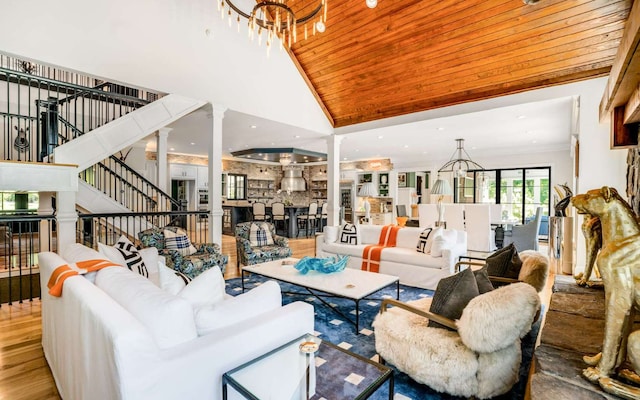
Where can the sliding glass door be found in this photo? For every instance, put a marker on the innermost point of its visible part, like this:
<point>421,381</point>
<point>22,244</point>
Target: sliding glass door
<point>520,190</point>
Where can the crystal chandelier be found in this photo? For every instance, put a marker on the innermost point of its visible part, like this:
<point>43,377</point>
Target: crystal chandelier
<point>460,162</point>
<point>279,18</point>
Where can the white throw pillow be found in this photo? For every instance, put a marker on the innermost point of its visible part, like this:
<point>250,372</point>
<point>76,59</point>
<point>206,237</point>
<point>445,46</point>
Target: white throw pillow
<point>169,280</point>
<point>168,318</point>
<point>78,252</point>
<point>331,234</point>
<point>444,239</point>
<point>206,289</point>
<point>257,301</point>
<point>179,241</point>
<point>349,234</point>
<point>149,257</point>
<point>260,235</point>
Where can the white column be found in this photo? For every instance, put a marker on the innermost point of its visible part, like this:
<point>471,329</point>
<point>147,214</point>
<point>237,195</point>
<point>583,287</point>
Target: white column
<point>161,155</point>
<point>215,175</point>
<point>45,208</point>
<point>66,218</point>
<point>333,180</point>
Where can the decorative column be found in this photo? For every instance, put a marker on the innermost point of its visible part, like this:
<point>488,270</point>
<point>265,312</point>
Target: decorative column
<point>215,174</point>
<point>333,179</point>
<point>66,219</point>
<point>161,156</point>
<point>45,208</point>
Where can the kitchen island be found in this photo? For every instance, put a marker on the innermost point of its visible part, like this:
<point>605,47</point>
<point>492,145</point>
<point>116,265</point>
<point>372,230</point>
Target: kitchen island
<point>235,214</point>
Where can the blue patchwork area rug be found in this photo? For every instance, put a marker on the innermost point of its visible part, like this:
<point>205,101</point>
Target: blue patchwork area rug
<point>332,327</point>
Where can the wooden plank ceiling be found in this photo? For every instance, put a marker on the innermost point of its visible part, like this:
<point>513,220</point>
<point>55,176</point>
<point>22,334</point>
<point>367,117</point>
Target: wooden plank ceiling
<point>407,56</point>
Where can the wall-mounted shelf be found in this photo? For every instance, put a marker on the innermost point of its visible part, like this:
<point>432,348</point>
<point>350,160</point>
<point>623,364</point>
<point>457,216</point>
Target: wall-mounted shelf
<point>261,188</point>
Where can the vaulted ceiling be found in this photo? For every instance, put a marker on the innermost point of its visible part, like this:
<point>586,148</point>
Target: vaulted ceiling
<point>406,56</point>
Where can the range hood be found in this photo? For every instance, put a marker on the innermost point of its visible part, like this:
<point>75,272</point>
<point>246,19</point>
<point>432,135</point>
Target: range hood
<point>293,180</point>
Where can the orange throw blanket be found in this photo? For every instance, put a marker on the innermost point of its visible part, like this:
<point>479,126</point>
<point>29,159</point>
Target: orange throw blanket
<point>63,272</point>
<point>371,254</point>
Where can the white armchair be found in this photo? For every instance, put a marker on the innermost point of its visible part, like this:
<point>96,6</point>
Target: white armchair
<point>525,237</point>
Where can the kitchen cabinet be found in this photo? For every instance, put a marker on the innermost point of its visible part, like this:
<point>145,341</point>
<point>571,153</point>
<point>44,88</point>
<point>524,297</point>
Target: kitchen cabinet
<point>183,171</point>
<point>203,177</point>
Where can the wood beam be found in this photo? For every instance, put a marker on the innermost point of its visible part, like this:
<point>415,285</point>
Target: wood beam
<point>632,109</point>
<point>623,79</point>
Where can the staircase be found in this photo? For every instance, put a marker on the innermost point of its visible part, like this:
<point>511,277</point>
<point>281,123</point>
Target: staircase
<point>46,120</point>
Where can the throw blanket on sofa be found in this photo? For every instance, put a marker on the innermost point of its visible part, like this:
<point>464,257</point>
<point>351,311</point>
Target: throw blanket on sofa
<point>371,254</point>
<point>60,274</point>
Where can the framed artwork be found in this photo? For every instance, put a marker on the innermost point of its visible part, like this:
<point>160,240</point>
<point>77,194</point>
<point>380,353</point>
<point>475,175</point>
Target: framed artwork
<point>402,179</point>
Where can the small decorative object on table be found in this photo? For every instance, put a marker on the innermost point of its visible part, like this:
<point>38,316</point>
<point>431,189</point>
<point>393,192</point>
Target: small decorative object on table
<point>325,265</point>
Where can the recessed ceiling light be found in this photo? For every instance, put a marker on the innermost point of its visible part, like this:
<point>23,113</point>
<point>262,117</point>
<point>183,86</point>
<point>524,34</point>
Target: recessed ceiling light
<point>440,128</point>
<point>406,146</point>
<point>356,150</point>
<point>193,144</point>
<point>259,154</point>
<point>172,149</point>
<point>380,137</point>
<point>273,144</point>
<point>344,158</point>
<point>297,136</point>
<point>253,126</point>
<point>522,116</point>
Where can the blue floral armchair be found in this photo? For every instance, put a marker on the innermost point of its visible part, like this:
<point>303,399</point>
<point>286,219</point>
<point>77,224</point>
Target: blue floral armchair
<point>248,255</point>
<point>206,256</point>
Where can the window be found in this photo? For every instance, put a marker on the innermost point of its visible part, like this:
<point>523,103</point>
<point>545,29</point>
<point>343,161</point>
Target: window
<point>24,201</point>
<point>236,187</point>
<point>520,190</point>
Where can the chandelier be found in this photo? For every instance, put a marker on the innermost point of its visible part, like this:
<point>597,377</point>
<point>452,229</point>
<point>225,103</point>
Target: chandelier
<point>279,18</point>
<point>460,162</point>
<point>285,159</point>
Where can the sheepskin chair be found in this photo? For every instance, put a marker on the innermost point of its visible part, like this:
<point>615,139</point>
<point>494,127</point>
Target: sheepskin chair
<point>535,269</point>
<point>482,358</point>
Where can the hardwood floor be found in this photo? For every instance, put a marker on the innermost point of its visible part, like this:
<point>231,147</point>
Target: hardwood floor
<point>24,373</point>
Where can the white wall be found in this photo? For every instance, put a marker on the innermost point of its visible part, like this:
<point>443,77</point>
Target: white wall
<point>162,45</point>
<point>598,165</point>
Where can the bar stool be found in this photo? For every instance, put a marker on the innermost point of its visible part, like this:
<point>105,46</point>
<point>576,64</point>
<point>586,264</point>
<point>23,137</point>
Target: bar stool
<point>278,215</point>
<point>322,217</point>
<point>309,220</point>
<point>259,211</point>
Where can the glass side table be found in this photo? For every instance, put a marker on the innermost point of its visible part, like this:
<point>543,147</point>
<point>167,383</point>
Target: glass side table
<point>289,373</point>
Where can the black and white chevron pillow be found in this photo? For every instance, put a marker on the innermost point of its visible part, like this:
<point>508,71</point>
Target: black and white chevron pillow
<point>423,241</point>
<point>348,234</point>
<point>131,256</point>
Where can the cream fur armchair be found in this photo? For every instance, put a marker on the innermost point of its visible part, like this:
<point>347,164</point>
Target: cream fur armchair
<point>480,357</point>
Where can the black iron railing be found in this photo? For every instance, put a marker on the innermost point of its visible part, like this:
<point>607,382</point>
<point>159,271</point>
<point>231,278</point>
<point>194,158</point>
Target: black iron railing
<point>107,228</point>
<point>117,180</point>
<point>38,114</point>
<point>22,237</point>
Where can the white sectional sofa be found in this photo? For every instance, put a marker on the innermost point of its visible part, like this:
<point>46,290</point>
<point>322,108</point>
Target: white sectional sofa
<point>404,261</point>
<point>123,337</point>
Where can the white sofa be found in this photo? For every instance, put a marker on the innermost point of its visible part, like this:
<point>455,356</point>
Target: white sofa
<point>404,261</point>
<point>103,343</point>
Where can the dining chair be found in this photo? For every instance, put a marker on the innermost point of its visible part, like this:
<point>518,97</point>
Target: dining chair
<point>259,211</point>
<point>279,216</point>
<point>477,222</point>
<point>308,221</point>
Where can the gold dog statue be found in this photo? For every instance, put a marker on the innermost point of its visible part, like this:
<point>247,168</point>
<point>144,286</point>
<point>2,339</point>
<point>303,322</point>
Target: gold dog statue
<point>619,265</point>
<point>592,231</point>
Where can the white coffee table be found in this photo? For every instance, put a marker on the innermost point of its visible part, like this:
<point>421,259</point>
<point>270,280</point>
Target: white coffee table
<point>350,283</point>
